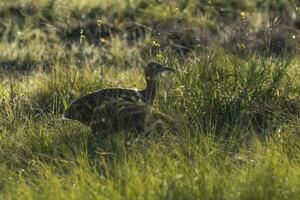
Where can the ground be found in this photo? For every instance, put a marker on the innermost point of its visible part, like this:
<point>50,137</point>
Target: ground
<point>228,118</point>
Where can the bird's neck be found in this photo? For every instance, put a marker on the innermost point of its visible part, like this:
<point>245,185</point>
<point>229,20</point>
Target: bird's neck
<point>150,90</point>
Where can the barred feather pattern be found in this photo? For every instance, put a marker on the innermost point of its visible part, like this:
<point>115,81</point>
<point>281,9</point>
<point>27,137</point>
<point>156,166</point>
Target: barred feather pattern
<point>109,109</point>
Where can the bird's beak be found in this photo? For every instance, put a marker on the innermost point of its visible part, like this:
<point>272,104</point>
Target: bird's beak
<point>168,69</point>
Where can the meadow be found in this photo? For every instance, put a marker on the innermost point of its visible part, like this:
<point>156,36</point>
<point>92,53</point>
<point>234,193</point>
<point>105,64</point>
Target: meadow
<point>228,119</point>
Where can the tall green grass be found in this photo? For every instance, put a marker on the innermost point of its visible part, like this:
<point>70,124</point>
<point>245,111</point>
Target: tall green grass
<point>225,125</point>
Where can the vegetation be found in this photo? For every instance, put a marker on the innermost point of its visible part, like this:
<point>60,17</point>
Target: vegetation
<point>229,125</point>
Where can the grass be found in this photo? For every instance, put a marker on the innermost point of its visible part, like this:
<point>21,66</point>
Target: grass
<point>230,114</point>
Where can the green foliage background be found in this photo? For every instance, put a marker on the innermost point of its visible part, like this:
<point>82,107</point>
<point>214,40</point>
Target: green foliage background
<point>225,126</point>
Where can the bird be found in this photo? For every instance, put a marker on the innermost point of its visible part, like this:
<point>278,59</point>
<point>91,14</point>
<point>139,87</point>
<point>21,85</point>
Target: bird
<point>117,109</point>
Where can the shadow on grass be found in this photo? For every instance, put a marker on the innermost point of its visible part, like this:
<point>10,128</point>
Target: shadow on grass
<point>102,152</point>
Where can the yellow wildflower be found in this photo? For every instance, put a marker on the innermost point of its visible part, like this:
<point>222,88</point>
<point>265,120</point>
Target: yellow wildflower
<point>242,14</point>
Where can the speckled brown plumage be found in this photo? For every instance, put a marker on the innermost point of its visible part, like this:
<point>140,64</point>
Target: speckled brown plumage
<point>117,108</point>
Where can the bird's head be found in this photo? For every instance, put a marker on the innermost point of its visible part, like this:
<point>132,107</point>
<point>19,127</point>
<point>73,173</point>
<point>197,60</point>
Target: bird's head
<point>154,68</point>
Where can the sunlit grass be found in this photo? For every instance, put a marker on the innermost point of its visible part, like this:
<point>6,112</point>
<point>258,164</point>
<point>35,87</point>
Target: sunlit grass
<point>230,119</point>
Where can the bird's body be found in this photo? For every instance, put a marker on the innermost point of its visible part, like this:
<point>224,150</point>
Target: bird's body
<point>116,108</point>
<point>107,109</point>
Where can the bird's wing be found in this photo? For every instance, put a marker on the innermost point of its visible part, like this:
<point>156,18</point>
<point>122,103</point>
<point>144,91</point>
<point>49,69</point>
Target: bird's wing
<point>116,113</point>
<point>104,101</point>
<point>118,94</point>
<point>117,99</point>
